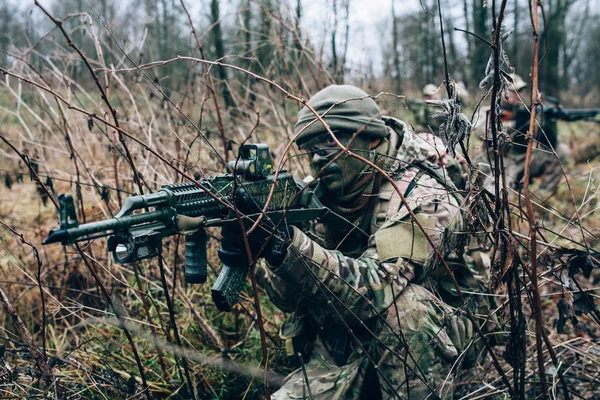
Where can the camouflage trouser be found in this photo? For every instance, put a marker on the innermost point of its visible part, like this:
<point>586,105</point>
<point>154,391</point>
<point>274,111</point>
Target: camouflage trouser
<point>325,379</point>
<point>416,352</point>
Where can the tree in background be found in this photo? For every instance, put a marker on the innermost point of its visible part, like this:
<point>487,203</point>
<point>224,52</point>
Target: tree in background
<point>219,51</point>
<point>552,44</point>
<point>338,62</point>
<point>479,53</point>
<point>13,35</point>
<point>396,73</point>
<point>584,70</point>
<point>165,38</point>
<point>265,37</point>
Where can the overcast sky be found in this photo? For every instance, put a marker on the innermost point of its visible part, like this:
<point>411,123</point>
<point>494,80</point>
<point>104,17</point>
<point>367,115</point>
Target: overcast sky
<point>370,20</point>
<point>366,20</point>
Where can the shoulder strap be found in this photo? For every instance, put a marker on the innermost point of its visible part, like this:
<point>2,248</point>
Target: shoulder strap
<point>444,180</point>
<point>413,183</point>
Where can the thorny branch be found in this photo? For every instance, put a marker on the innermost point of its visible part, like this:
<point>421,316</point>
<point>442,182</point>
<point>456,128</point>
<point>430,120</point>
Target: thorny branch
<point>32,170</point>
<point>532,231</point>
<point>165,96</point>
<point>113,111</point>
<point>345,151</point>
<point>38,356</point>
<point>349,153</point>
<point>211,85</point>
<point>90,267</point>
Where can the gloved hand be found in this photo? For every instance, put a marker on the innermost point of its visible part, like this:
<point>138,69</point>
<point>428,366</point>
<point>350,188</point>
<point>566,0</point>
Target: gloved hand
<point>233,250</point>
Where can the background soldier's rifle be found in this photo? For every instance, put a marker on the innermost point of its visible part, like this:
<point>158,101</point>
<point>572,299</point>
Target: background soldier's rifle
<point>550,114</point>
<point>555,112</point>
<point>571,115</point>
<point>185,208</point>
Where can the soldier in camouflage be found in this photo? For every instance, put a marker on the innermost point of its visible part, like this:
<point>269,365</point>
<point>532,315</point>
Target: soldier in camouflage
<point>548,154</point>
<point>422,112</point>
<point>372,313</point>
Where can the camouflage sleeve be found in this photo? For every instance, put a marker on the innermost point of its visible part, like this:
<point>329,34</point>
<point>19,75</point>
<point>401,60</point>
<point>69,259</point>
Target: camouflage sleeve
<point>312,276</point>
<point>287,296</point>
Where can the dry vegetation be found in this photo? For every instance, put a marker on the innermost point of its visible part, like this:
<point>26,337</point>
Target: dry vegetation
<point>66,319</point>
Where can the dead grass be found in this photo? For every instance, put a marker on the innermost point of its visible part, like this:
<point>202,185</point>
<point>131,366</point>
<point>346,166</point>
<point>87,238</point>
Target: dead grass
<point>87,350</point>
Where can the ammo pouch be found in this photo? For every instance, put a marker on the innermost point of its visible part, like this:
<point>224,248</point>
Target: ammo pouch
<point>298,335</point>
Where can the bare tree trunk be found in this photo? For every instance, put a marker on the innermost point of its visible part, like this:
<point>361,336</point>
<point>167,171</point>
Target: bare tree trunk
<point>334,57</point>
<point>433,39</point>
<point>298,42</point>
<point>220,52</point>
<point>421,77</point>
<point>430,39</point>
<point>515,35</point>
<point>264,52</point>
<point>346,36</point>
<point>246,37</point>
<point>164,40</point>
<point>396,51</point>
<point>480,51</point>
<point>570,48</point>
<point>452,52</point>
<point>467,25</point>
<point>551,44</point>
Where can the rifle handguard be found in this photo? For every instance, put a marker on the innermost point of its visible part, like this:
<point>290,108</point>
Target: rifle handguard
<point>195,257</point>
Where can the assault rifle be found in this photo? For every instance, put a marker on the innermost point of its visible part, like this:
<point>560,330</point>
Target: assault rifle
<point>136,232</point>
<point>550,115</point>
<point>571,115</point>
<point>553,113</point>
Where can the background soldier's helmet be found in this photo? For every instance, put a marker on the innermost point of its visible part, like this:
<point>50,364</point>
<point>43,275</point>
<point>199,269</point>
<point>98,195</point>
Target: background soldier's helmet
<point>462,91</point>
<point>344,108</point>
<point>430,90</point>
<point>518,83</point>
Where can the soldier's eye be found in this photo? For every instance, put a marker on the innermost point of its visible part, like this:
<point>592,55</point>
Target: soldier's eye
<point>329,141</point>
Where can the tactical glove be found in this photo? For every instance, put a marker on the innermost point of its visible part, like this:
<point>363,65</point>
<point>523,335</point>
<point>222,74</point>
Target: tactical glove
<point>274,241</point>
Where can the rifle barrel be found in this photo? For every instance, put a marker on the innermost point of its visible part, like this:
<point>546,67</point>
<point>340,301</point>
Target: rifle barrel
<point>72,235</point>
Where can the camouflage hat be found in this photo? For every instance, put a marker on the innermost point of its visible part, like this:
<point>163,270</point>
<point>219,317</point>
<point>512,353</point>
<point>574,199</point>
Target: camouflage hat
<point>346,108</point>
<point>518,83</point>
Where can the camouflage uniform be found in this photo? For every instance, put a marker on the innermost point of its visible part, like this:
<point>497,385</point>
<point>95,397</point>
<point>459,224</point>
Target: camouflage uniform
<point>422,112</point>
<point>369,301</point>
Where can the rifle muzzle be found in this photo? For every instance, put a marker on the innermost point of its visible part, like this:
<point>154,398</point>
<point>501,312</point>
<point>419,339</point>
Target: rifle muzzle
<point>57,235</point>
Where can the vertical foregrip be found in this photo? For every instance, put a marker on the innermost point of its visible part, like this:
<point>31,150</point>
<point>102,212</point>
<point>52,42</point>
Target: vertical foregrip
<point>195,257</point>
<point>227,288</point>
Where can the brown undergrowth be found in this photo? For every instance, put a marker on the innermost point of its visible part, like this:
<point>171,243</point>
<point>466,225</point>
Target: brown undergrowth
<point>60,136</point>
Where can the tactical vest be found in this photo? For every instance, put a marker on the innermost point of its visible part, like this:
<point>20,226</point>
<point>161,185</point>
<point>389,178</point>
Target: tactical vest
<point>470,267</point>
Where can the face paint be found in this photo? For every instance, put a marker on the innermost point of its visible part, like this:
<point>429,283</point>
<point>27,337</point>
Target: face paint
<point>341,173</point>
